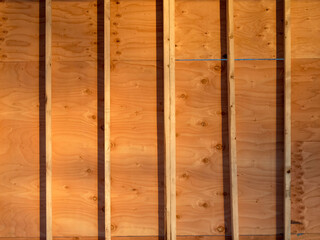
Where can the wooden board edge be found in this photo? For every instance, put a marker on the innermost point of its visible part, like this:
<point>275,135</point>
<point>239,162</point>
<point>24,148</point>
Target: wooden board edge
<point>169,117</point>
<point>232,123</point>
<point>287,120</point>
<point>48,127</point>
<point>107,119</point>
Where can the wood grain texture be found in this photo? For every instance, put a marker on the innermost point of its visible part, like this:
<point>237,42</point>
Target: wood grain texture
<point>136,34</point>
<point>201,29</point>
<point>305,100</point>
<point>232,132</point>
<point>305,28</point>
<point>19,35</point>
<point>305,143</point>
<point>287,120</point>
<point>134,152</point>
<point>107,98</point>
<point>74,30</point>
<point>74,137</point>
<point>259,97</point>
<point>203,199</point>
<point>136,29</point>
<point>199,32</point>
<point>256,28</point>
<point>48,116</point>
<point>202,148</point>
<point>75,150</point>
<point>169,85</point>
<point>19,150</point>
<point>307,236</point>
<point>305,187</point>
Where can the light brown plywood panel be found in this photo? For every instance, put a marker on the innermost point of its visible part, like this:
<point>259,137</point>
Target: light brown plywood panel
<point>202,148</point>
<point>307,236</point>
<point>136,29</point>
<point>19,150</point>
<point>19,35</point>
<point>305,187</point>
<point>306,100</point>
<point>135,156</point>
<point>74,30</point>
<point>256,26</point>
<point>199,32</point>
<point>259,98</point>
<point>74,132</point>
<point>305,21</point>
<point>75,144</point>
<point>305,143</point>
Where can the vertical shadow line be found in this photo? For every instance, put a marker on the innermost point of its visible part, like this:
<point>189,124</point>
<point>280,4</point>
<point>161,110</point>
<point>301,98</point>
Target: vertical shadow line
<point>42,120</point>
<point>100,124</point>
<point>279,118</point>
<point>160,120</point>
<point>224,119</point>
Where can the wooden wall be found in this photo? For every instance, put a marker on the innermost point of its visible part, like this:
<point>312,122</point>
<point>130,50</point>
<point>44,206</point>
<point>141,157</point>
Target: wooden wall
<point>137,130</point>
<point>20,72</point>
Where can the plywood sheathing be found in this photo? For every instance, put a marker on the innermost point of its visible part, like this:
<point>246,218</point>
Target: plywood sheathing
<point>75,116</point>
<point>305,142</point>
<point>75,45</point>
<point>20,71</point>
<point>259,97</point>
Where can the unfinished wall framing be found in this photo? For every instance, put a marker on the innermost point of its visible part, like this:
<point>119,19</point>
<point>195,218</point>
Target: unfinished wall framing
<point>197,116</point>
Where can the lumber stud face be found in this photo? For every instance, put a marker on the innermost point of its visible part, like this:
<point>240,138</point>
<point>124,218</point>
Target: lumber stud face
<point>48,107</point>
<point>169,115</point>
<point>232,123</point>
<point>287,120</point>
<point>107,98</point>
